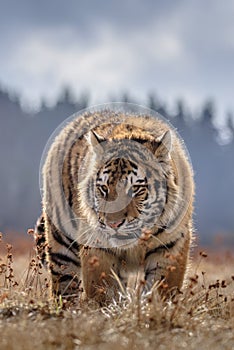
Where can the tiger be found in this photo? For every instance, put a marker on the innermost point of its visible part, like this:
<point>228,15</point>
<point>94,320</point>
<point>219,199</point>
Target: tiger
<point>117,206</point>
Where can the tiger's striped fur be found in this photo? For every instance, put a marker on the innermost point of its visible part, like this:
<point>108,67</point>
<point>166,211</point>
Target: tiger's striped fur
<point>117,199</point>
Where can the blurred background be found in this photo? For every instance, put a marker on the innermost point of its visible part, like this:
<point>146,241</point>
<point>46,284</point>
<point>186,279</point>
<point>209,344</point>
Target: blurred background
<point>176,57</point>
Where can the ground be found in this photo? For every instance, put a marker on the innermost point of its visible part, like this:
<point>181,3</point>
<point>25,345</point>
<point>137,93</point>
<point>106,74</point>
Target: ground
<point>202,317</point>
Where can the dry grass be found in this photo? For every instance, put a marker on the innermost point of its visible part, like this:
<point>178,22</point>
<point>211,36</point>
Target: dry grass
<point>200,318</point>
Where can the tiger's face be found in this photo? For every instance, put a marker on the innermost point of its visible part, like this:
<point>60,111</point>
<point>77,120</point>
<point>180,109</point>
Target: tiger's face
<point>127,198</point>
<point>121,191</point>
<point>125,190</point>
<point>128,189</point>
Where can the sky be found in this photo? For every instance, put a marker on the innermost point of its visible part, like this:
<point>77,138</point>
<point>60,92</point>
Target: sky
<point>175,49</point>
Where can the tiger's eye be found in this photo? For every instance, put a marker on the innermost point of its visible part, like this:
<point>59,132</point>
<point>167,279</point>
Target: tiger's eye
<point>104,188</point>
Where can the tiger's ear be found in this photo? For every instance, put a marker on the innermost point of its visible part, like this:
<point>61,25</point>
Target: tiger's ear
<point>95,141</point>
<point>162,147</point>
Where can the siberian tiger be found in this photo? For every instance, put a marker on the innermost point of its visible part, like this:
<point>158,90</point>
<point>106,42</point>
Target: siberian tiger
<point>117,205</point>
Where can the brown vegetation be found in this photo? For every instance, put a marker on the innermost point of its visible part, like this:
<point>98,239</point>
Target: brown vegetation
<point>202,317</point>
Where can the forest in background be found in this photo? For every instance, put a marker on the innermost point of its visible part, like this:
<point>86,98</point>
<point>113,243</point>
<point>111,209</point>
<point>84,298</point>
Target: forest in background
<point>23,136</point>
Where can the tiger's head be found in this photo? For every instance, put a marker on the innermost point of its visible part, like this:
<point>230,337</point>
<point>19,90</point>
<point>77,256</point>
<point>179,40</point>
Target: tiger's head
<point>126,188</point>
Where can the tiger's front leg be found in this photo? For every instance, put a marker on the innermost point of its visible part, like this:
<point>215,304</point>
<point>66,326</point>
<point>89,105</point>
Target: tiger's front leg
<point>99,270</point>
<point>167,267</point>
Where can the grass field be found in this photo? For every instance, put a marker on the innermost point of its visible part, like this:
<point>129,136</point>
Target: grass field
<point>200,318</point>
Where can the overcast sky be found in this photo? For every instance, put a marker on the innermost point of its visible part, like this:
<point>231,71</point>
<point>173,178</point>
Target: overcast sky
<point>178,48</point>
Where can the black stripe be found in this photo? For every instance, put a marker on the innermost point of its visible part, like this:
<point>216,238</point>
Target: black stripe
<point>167,193</point>
<point>61,154</point>
<point>70,195</point>
<point>59,238</point>
<point>141,141</point>
<point>74,246</point>
<point>41,226</point>
<point>160,230</point>
<point>68,169</point>
<point>161,248</point>
<point>141,181</point>
<point>70,136</point>
<point>71,192</point>
<point>140,191</point>
<point>66,278</point>
<point>62,259</point>
<point>62,278</point>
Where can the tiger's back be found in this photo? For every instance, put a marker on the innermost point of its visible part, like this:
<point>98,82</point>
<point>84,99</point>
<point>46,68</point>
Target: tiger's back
<point>117,198</point>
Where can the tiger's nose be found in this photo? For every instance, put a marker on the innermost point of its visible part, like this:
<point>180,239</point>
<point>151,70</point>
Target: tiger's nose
<point>115,224</point>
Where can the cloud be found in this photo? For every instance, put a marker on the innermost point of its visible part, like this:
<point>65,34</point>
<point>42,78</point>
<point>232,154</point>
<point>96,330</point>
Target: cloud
<point>176,49</point>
